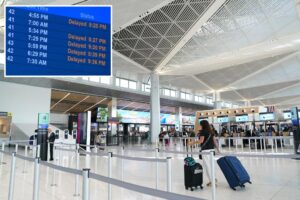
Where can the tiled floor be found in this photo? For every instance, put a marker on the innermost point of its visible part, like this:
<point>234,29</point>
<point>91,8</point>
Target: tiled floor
<point>275,179</point>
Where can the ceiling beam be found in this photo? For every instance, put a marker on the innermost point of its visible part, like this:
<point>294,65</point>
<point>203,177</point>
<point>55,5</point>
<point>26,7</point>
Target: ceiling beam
<point>172,79</point>
<point>265,96</point>
<point>190,33</point>
<point>243,98</point>
<point>239,81</point>
<point>289,101</point>
<point>129,104</point>
<point>131,61</point>
<point>202,82</point>
<point>60,101</point>
<point>95,104</point>
<point>85,98</point>
<point>265,49</point>
<point>139,107</point>
<point>146,13</point>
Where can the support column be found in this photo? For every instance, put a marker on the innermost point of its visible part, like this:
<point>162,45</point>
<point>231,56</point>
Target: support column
<point>247,103</point>
<point>88,131</point>
<point>217,100</point>
<point>155,107</point>
<point>179,118</point>
<point>112,110</point>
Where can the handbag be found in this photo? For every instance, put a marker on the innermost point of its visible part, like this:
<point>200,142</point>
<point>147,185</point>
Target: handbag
<point>200,155</point>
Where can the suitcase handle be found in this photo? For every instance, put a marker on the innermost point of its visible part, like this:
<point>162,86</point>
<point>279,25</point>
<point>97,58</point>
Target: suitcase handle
<point>187,148</point>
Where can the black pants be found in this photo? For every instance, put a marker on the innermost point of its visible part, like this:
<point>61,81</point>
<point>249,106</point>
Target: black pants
<point>51,151</point>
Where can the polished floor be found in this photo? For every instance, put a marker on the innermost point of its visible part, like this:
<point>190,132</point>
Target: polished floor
<point>273,179</point>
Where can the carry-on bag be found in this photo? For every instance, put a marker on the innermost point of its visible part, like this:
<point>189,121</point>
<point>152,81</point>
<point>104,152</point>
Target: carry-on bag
<point>234,172</point>
<point>193,173</point>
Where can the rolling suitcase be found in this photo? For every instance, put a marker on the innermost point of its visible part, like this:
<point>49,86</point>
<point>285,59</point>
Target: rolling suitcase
<point>193,173</point>
<point>234,172</point>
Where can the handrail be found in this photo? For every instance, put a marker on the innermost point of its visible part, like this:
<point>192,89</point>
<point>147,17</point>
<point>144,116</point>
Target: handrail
<point>112,181</point>
<point>61,168</point>
<point>142,189</point>
<point>140,158</point>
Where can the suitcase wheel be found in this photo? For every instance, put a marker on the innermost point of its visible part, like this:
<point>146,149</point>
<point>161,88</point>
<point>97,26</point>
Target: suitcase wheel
<point>186,188</point>
<point>250,182</point>
<point>201,187</point>
<point>242,186</point>
<point>192,189</point>
<point>233,188</point>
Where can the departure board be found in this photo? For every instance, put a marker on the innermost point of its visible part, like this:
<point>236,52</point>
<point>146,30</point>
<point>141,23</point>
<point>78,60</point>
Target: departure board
<point>58,41</point>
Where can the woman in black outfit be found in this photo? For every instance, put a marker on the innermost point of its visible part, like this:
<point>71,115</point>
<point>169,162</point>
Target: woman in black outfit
<point>208,142</point>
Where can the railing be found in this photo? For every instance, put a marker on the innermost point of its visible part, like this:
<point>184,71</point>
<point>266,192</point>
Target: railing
<point>87,175</point>
<point>245,144</point>
<point>156,159</point>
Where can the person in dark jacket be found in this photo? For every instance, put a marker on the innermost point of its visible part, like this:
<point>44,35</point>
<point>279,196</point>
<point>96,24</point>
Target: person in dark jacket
<point>51,140</point>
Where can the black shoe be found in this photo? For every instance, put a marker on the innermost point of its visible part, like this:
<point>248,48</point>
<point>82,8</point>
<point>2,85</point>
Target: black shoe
<point>51,159</point>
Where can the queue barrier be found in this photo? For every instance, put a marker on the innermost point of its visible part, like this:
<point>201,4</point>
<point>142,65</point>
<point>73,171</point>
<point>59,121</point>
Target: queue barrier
<point>87,175</point>
<point>139,159</point>
<point>237,143</point>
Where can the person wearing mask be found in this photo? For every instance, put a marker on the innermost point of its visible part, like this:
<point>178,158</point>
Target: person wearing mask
<point>208,142</point>
<point>51,139</point>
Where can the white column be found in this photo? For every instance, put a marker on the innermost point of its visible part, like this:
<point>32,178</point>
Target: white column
<point>247,103</point>
<point>112,109</point>
<point>88,131</point>
<point>217,100</point>
<point>155,107</point>
<point>179,118</point>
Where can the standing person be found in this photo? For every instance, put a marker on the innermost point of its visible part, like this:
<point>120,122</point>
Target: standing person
<point>51,140</point>
<point>208,142</point>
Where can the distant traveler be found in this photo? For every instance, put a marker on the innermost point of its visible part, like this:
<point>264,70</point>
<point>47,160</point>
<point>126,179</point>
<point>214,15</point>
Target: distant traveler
<point>208,142</point>
<point>51,140</point>
<point>214,130</point>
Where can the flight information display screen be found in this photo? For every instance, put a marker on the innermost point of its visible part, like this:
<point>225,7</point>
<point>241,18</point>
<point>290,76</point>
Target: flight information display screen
<point>58,41</point>
<point>242,118</point>
<point>266,116</point>
<point>223,119</point>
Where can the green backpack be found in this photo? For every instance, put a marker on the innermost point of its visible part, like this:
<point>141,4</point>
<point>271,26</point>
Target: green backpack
<point>189,161</point>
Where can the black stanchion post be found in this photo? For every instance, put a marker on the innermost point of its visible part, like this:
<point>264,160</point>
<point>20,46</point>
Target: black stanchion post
<point>42,140</point>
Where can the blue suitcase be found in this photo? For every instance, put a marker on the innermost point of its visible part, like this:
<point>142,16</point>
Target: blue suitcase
<point>234,172</point>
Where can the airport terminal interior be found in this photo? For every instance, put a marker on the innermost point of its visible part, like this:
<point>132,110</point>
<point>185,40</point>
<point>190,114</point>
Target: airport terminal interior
<point>183,75</point>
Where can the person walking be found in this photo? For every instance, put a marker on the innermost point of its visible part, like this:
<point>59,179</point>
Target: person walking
<point>51,140</point>
<point>208,142</point>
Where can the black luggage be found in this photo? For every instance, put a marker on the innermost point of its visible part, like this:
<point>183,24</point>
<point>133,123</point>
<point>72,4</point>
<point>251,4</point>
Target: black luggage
<point>193,174</point>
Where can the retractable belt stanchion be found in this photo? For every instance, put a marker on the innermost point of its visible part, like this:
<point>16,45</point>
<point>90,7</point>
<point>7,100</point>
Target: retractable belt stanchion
<point>85,184</point>
<point>261,144</point>
<point>53,184</point>
<point>25,162</point>
<point>16,147</point>
<point>169,174</point>
<point>12,177</point>
<point>213,177</point>
<point>272,145</point>
<point>276,146</point>
<point>76,194</point>
<point>122,164</point>
<point>255,143</point>
<point>109,159</point>
<point>34,148</point>
<point>156,171</point>
<point>2,154</point>
<point>242,145</point>
<point>249,144</point>
<point>36,178</point>
<point>281,143</point>
<point>265,146</point>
